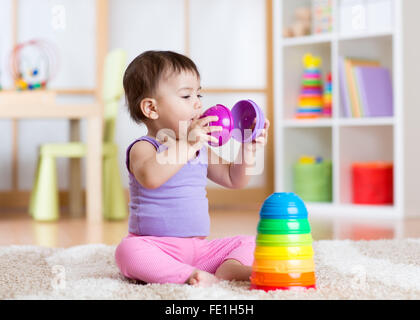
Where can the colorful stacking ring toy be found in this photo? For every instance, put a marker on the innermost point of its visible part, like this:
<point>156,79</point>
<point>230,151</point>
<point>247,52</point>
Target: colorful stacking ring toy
<point>34,73</point>
<point>283,257</point>
<point>236,123</point>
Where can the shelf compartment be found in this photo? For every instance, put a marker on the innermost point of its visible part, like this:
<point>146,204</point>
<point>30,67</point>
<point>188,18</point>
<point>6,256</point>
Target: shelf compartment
<point>378,48</point>
<point>288,11</point>
<point>304,141</point>
<point>362,144</point>
<point>364,17</point>
<point>293,73</point>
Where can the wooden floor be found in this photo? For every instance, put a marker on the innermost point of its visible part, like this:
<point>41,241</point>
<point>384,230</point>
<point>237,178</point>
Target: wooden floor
<point>18,228</point>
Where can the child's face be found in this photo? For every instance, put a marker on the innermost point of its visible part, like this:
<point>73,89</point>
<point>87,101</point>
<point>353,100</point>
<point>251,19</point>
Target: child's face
<point>178,99</point>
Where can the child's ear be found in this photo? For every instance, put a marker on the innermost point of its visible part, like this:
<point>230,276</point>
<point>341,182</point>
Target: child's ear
<point>149,108</point>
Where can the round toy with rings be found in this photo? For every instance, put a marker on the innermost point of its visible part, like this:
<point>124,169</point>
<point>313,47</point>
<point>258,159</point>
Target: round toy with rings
<point>33,64</point>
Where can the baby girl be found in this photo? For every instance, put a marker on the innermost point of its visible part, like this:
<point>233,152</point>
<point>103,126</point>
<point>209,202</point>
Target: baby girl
<point>168,171</point>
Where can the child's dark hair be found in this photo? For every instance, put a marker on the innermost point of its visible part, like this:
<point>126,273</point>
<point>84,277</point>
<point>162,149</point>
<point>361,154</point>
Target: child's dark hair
<point>142,76</point>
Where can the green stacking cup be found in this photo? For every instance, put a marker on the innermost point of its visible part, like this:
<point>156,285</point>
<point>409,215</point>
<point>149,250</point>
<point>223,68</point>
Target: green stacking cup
<point>284,240</point>
<point>283,226</point>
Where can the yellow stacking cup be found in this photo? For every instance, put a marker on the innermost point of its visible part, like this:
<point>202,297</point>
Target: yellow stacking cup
<point>283,266</point>
<point>284,253</point>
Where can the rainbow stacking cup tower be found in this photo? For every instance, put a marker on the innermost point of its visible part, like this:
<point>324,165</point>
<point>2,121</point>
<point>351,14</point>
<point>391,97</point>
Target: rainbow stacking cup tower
<point>283,258</point>
<point>310,101</point>
<point>327,109</point>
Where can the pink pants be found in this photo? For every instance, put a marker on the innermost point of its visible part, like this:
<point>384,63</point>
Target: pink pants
<point>172,260</point>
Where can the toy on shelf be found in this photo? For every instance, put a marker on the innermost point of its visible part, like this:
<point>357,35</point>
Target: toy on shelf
<point>310,102</point>
<point>310,160</point>
<point>327,99</point>
<point>237,123</point>
<point>283,257</point>
<point>312,179</point>
<point>373,183</point>
<point>322,18</point>
<point>33,64</point>
<point>301,25</point>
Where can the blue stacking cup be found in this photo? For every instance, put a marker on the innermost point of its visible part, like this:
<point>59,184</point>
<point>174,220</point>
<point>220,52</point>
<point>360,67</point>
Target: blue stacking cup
<point>283,206</point>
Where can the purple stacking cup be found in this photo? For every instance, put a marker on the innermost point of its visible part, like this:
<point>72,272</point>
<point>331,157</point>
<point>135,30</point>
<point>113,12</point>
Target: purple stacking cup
<point>236,122</point>
<point>225,121</point>
<point>244,112</point>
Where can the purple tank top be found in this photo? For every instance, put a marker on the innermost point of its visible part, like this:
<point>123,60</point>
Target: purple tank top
<point>178,208</point>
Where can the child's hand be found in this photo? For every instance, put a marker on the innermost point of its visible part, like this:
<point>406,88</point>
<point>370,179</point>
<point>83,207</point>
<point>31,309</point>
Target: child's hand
<point>261,140</point>
<point>197,135</point>
<point>198,132</point>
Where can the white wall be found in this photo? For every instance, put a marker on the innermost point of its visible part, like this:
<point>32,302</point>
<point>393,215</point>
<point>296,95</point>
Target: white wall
<point>227,42</point>
<point>5,125</point>
<point>137,26</point>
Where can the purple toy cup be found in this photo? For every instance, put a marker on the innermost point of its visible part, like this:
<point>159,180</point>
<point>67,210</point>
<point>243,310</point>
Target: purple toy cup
<point>236,123</point>
<point>244,113</point>
<point>225,121</point>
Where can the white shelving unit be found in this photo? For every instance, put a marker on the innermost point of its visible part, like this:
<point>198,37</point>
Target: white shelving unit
<point>347,140</point>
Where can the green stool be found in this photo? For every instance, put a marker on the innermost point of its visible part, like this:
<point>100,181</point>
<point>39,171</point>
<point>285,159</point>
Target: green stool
<point>44,197</point>
<point>44,204</point>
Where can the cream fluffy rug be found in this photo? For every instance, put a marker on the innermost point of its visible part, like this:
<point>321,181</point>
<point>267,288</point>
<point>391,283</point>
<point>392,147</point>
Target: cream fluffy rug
<point>385,269</point>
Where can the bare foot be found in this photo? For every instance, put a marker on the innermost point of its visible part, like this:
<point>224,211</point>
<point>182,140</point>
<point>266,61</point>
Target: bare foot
<point>233,270</point>
<point>200,278</point>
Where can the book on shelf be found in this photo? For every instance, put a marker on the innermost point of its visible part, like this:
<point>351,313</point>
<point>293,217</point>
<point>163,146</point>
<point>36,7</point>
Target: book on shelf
<point>375,90</point>
<point>365,88</point>
<point>349,65</point>
<point>344,96</point>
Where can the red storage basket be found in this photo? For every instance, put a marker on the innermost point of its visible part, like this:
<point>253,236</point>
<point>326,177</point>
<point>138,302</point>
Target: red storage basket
<point>373,183</point>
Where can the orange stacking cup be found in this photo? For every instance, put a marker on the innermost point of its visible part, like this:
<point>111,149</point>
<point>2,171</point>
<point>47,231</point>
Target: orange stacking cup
<point>283,279</point>
<point>283,266</point>
<point>270,288</point>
